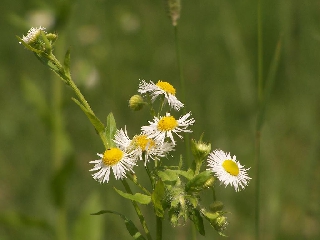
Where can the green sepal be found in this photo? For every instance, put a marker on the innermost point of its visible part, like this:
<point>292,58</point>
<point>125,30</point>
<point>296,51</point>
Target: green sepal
<point>198,183</point>
<point>197,220</point>
<point>137,197</point>
<point>132,229</point>
<point>98,125</point>
<point>47,44</point>
<point>110,130</point>
<point>157,198</point>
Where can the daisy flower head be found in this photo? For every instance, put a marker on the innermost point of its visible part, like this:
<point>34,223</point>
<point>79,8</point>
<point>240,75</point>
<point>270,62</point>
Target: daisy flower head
<point>150,148</point>
<point>161,88</point>
<point>120,159</point>
<point>33,35</point>
<point>163,127</point>
<point>228,170</point>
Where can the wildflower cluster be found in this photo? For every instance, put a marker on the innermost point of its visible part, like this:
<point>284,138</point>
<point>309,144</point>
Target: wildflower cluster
<point>175,191</point>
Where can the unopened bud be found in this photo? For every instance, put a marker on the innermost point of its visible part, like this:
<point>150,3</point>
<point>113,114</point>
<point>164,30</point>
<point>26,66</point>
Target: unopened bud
<point>136,102</point>
<point>200,150</point>
<point>216,206</point>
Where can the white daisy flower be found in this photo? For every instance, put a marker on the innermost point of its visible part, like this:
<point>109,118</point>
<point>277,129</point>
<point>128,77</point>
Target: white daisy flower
<point>161,88</point>
<point>228,170</point>
<point>119,159</point>
<point>143,147</point>
<point>33,34</point>
<point>163,127</point>
<point>150,148</point>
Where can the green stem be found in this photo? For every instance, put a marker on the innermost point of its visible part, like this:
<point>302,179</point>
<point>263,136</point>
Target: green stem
<point>159,228</point>
<point>134,180</point>
<point>258,132</point>
<point>257,190</point>
<point>182,81</point>
<point>182,84</point>
<point>138,211</point>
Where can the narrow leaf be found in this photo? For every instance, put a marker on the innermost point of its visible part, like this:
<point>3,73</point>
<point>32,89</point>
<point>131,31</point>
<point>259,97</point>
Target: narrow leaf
<point>138,197</point>
<point>197,220</point>
<point>157,198</point>
<point>198,182</point>
<point>98,125</point>
<point>132,229</point>
<point>67,62</point>
<point>110,130</point>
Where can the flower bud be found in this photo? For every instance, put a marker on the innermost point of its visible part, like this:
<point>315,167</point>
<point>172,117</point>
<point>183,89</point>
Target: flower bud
<point>216,206</point>
<point>200,150</point>
<point>136,102</point>
<point>220,223</point>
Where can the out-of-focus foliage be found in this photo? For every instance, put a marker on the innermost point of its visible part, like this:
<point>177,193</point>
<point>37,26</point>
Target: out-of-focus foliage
<point>113,44</point>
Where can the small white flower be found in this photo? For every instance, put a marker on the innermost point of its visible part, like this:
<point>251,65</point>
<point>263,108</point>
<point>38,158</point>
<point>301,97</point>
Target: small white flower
<point>161,88</point>
<point>33,34</point>
<point>142,146</point>
<point>228,170</point>
<point>150,148</point>
<point>163,127</point>
<point>119,159</point>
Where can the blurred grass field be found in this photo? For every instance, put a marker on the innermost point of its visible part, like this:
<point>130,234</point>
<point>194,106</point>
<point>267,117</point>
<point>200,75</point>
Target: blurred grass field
<point>113,45</point>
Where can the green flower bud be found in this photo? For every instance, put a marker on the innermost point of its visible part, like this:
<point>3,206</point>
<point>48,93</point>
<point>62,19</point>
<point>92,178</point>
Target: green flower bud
<point>52,37</point>
<point>220,223</point>
<point>200,150</point>
<point>136,102</point>
<point>216,206</point>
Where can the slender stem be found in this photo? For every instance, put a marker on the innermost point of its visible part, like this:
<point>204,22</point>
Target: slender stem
<point>138,211</point>
<point>260,54</point>
<point>134,180</point>
<point>159,228</point>
<point>182,81</point>
<point>182,84</point>
<point>257,191</point>
<point>258,129</point>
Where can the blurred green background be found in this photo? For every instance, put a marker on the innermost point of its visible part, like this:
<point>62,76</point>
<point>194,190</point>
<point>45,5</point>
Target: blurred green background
<point>116,43</point>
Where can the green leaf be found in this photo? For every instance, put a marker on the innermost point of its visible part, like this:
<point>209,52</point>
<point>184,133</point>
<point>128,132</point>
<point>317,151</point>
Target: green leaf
<point>98,125</point>
<point>157,198</point>
<point>132,229</point>
<point>197,183</point>
<point>197,220</point>
<point>67,62</point>
<point>110,130</point>
<point>138,197</point>
<point>59,182</point>
<point>168,175</point>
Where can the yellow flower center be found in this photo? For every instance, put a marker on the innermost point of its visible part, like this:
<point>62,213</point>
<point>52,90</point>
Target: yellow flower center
<point>231,167</point>
<point>167,123</point>
<point>166,87</point>
<point>144,143</point>
<point>112,156</point>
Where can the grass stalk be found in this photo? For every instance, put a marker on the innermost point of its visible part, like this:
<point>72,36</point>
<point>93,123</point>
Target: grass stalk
<point>258,132</point>
<point>183,89</point>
